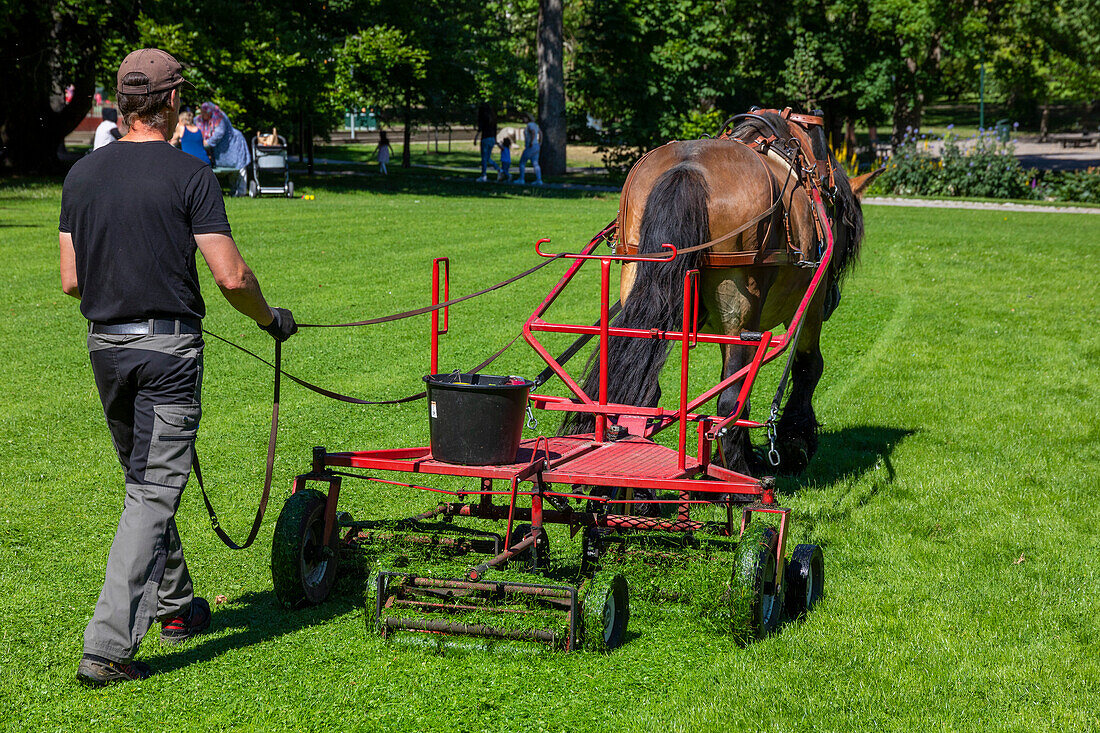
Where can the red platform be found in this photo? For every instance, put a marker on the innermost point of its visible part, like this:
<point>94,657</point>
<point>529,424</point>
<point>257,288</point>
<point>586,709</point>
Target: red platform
<point>636,462</point>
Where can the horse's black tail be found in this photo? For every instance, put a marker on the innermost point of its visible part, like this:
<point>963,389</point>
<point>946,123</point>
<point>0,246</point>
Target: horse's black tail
<point>675,213</point>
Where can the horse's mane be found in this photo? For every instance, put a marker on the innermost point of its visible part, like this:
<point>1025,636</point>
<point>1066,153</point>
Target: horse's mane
<point>847,209</point>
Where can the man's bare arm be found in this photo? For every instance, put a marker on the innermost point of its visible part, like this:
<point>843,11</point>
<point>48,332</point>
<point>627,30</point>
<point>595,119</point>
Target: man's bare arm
<point>69,284</point>
<point>235,278</point>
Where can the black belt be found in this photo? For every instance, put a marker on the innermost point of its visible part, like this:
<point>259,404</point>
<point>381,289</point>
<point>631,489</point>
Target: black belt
<point>153,326</point>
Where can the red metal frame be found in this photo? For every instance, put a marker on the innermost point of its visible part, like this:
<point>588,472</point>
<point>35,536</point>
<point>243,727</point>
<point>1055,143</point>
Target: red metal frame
<point>436,331</point>
<point>636,462</point>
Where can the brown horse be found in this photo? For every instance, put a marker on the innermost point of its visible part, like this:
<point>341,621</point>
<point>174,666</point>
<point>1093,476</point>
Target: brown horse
<point>747,192</point>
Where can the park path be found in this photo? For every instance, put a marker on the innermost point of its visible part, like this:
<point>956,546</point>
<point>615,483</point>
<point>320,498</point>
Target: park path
<point>983,205</point>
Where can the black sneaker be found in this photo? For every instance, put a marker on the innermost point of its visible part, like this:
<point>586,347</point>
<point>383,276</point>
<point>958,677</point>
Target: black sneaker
<point>195,620</point>
<point>95,671</point>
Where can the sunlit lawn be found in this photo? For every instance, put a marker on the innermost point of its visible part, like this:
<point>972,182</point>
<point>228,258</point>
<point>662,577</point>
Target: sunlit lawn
<point>954,493</point>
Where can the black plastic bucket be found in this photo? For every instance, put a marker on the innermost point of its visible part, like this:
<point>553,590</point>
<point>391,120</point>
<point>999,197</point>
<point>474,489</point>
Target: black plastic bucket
<point>476,419</point>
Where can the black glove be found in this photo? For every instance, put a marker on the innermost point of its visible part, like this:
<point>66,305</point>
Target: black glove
<point>282,324</point>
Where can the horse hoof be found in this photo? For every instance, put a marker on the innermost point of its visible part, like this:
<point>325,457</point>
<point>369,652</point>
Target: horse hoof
<point>794,457</point>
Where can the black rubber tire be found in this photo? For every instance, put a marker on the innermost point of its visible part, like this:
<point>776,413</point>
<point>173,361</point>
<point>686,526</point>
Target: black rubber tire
<point>605,612</point>
<point>302,570</point>
<point>805,580</point>
<point>755,600</point>
<point>519,531</point>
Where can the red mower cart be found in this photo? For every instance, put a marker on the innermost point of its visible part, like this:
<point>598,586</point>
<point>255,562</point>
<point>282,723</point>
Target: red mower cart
<point>628,495</point>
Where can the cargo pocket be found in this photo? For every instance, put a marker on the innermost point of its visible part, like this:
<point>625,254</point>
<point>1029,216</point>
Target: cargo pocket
<point>173,440</point>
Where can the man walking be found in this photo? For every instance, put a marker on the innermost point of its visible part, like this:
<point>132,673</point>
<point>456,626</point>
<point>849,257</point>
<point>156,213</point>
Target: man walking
<point>532,145</point>
<point>487,131</point>
<point>132,215</point>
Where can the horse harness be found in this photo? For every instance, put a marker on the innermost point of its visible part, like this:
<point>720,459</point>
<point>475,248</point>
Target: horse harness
<point>796,154</point>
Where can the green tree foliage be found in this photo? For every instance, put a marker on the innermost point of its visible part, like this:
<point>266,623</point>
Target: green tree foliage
<point>1042,52</point>
<point>376,65</point>
<point>649,70</point>
<point>646,68</point>
<point>266,64</point>
<point>49,45</point>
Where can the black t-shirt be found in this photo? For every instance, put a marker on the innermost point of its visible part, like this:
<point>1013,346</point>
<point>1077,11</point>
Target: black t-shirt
<point>487,124</point>
<point>133,209</point>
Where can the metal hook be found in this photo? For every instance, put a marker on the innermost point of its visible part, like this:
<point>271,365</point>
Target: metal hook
<point>672,252</point>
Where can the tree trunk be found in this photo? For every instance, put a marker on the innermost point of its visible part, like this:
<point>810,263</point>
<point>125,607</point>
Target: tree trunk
<point>309,144</point>
<point>406,150</point>
<point>551,81</point>
<point>908,104</point>
<point>34,119</point>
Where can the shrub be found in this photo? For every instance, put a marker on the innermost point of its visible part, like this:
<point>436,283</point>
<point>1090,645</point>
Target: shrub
<point>981,166</point>
<point>700,123</point>
<point>1067,185</point>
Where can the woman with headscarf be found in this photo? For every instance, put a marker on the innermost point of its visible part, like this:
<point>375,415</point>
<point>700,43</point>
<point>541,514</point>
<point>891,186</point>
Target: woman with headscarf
<point>224,143</point>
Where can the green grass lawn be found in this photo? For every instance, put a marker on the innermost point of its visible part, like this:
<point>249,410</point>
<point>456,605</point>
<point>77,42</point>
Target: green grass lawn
<point>954,493</point>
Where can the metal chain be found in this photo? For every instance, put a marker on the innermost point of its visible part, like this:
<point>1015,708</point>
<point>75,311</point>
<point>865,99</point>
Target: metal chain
<point>773,452</point>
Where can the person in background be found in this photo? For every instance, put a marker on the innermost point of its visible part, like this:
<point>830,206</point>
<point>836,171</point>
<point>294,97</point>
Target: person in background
<point>532,144</point>
<point>224,143</point>
<point>187,136</point>
<point>505,159</point>
<point>383,151</point>
<point>108,131</point>
<point>487,130</point>
<point>133,215</point>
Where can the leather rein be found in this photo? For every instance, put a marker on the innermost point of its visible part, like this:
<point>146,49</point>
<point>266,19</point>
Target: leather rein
<point>796,153</point>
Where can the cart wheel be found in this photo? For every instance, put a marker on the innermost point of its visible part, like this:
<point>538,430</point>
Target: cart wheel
<point>253,188</point>
<point>755,600</point>
<point>302,569</point>
<point>542,544</point>
<point>605,612</point>
<point>805,580</point>
<point>290,189</point>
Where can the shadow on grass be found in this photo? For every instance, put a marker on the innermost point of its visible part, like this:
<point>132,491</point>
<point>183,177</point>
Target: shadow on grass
<point>254,618</point>
<point>843,458</point>
<point>849,453</point>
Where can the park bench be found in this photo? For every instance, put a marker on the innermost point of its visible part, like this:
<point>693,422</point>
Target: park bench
<point>882,148</point>
<point>1075,139</point>
<point>227,177</point>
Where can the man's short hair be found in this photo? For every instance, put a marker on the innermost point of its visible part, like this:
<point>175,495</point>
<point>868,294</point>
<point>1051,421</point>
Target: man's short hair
<point>151,109</point>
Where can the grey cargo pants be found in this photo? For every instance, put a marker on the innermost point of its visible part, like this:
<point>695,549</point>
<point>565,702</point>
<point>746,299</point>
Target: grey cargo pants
<point>150,387</point>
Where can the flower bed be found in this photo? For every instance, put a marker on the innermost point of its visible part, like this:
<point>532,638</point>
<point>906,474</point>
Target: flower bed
<point>982,166</point>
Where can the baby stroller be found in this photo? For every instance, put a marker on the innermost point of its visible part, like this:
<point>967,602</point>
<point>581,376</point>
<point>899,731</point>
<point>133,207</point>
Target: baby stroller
<point>270,167</point>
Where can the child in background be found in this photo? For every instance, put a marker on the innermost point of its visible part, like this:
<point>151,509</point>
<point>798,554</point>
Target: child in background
<point>505,159</point>
<point>383,151</point>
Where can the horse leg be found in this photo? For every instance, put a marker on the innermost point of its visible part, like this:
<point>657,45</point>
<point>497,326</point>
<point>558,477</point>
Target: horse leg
<point>733,305</point>
<point>797,429</point>
<point>735,445</point>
